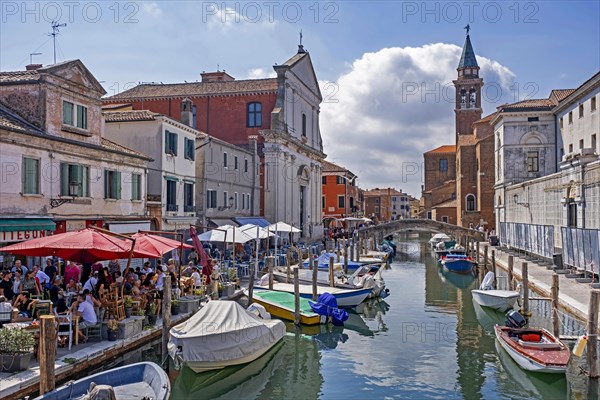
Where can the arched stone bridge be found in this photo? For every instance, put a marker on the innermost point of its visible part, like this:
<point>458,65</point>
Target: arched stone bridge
<point>420,225</point>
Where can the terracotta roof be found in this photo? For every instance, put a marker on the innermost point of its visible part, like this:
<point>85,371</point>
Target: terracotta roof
<point>558,95</point>
<point>448,148</point>
<point>11,122</point>
<point>19,76</point>
<point>449,203</point>
<point>467,140</point>
<point>528,105</point>
<point>197,89</point>
<point>115,106</point>
<point>332,167</point>
<point>382,192</point>
<point>130,116</point>
<point>485,119</point>
<point>110,145</point>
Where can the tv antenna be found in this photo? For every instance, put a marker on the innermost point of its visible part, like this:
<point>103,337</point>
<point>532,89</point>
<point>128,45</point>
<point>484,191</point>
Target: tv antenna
<point>31,57</point>
<point>55,31</point>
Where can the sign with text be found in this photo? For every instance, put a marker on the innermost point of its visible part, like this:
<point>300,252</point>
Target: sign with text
<point>19,236</point>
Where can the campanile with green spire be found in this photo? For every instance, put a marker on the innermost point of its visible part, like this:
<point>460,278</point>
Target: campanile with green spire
<point>468,90</point>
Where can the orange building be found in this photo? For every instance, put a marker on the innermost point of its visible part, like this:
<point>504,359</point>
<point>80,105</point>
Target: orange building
<point>341,197</point>
<point>383,205</point>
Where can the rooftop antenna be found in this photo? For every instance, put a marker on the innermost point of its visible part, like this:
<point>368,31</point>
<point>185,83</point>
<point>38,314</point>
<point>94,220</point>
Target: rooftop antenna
<point>55,31</point>
<point>31,57</point>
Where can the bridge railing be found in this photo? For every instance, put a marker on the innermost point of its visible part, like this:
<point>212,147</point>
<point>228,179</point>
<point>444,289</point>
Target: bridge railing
<point>530,238</point>
<point>581,248</point>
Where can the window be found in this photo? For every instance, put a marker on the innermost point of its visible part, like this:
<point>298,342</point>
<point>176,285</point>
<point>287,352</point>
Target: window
<point>247,201</point>
<point>243,201</point>
<point>470,202</point>
<point>224,160</point>
<point>594,142</point>
<point>74,173</point>
<point>303,124</point>
<point>245,165</point>
<point>377,209</point>
<point>571,148</point>
<point>323,202</point>
<point>443,165</point>
<point>254,118</point>
<point>580,144</point>
<point>136,187</point>
<point>170,143</point>
<point>189,149</point>
<point>74,115</point>
<point>211,199</point>
<point>188,197</point>
<point>324,180</point>
<point>341,202</point>
<point>171,195</point>
<point>394,199</point>
<point>339,180</point>
<point>533,161</point>
<point>593,103</point>
<point>445,219</point>
<point>112,184</point>
<point>377,200</point>
<point>533,119</point>
<point>571,117</point>
<point>581,111</point>
<point>194,113</point>
<point>225,200</point>
<point>31,176</point>
<point>235,200</point>
<point>561,122</point>
<point>235,163</point>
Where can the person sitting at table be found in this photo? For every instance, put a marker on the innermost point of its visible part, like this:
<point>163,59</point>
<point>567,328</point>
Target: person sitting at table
<point>54,289</point>
<point>128,285</point>
<point>61,303</point>
<point>73,286</point>
<point>148,283</point>
<point>197,278</point>
<point>6,310</point>
<point>72,271</point>
<point>23,304</point>
<point>102,284</point>
<point>90,284</point>
<point>136,289</point>
<point>86,312</point>
<point>30,284</point>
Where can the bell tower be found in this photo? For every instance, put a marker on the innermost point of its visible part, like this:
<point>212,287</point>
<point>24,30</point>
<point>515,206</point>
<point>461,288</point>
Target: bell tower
<point>468,90</point>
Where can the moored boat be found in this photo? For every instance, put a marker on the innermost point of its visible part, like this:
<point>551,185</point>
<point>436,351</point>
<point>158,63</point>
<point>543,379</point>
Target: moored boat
<point>223,333</point>
<point>487,296</point>
<point>458,263</point>
<point>344,297</point>
<point>134,381</point>
<point>281,304</point>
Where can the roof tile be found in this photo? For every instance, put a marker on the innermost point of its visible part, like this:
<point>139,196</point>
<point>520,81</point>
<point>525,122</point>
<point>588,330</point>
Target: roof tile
<point>129,116</point>
<point>448,148</point>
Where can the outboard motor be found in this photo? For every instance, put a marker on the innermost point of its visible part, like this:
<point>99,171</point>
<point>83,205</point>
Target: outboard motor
<point>515,320</point>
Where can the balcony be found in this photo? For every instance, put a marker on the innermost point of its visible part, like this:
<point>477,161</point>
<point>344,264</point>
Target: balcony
<point>189,209</point>
<point>172,207</point>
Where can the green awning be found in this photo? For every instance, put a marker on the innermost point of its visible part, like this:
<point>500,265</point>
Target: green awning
<point>171,178</point>
<point>26,224</point>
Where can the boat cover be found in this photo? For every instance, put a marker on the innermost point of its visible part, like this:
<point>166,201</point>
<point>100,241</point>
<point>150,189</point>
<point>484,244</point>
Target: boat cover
<point>327,305</point>
<point>324,261</point>
<point>224,330</point>
<point>488,282</point>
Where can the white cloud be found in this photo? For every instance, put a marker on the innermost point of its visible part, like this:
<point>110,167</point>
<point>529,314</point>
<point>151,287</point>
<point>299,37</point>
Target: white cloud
<point>260,73</point>
<point>395,104</point>
<point>152,9</point>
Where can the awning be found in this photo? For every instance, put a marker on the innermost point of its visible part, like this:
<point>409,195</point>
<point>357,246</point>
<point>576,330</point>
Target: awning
<point>223,221</point>
<point>26,224</point>
<point>263,223</point>
<point>128,227</point>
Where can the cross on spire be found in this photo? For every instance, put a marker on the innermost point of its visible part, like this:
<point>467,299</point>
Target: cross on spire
<point>300,37</point>
<point>467,28</point>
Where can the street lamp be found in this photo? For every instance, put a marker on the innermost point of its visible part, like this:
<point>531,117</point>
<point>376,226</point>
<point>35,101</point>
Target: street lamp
<point>73,192</point>
<point>230,204</point>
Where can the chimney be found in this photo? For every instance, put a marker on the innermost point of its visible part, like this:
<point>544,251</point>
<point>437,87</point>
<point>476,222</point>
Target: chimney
<point>186,112</point>
<point>219,76</point>
<point>33,67</point>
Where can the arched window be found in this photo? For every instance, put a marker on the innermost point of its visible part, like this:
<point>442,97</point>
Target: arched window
<point>463,98</point>
<point>254,115</point>
<point>472,98</point>
<point>303,124</point>
<point>470,200</point>
<point>443,165</point>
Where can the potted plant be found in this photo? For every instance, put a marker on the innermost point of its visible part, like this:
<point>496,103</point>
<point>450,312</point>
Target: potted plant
<point>152,309</point>
<point>174,307</point>
<point>16,348</point>
<point>112,328</point>
<point>128,304</point>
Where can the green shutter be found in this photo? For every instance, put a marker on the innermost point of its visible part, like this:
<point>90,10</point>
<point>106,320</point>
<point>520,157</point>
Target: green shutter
<point>64,179</point>
<point>31,176</point>
<point>118,184</point>
<point>67,113</point>
<point>167,142</point>
<point>84,188</point>
<point>174,144</point>
<point>106,184</point>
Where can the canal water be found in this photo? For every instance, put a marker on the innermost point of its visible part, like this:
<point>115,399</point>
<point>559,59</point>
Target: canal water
<point>427,340</point>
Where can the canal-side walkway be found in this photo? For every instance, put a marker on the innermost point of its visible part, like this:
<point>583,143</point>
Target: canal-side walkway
<point>574,297</point>
<point>79,358</point>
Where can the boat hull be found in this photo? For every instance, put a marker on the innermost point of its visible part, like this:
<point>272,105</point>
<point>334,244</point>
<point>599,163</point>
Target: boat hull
<point>501,300</point>
<point>204,366</point>
<point>459,266</point>
<point>284,311</point>
<point>344,297</point>
<point>553,358</point>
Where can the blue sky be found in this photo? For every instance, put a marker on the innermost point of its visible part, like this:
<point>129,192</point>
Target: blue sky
<point>375,53</point>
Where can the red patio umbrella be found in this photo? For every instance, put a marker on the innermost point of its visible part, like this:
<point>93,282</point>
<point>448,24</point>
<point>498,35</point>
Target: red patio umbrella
<point>155,244</point>
<point>83,246</point>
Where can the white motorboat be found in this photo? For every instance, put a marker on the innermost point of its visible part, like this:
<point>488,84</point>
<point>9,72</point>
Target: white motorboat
<point>487,296</point>
<point>437,238</point>
<point>344,297</point>
<point>221,334</point>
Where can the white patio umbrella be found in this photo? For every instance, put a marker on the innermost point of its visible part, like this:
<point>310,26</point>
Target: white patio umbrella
<point>257,232</point>
<point>281,227</point>
<point>226,234</point>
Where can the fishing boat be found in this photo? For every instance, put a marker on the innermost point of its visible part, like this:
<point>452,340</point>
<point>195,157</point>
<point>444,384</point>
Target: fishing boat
<point>135,381</point>
<point>281,304</point>
<point>344,297</point>
<point>323,263</point>
<point>459,263</point>
<point>453,250</point>
<point>487,296</point>
<point>533,349</point>
<point>441,237</point>
<point>221,334</point>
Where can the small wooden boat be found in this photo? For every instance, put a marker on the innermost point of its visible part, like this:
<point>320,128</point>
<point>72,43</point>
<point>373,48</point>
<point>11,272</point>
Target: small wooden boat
<point>222,334</point>
<point>135,381</point>
<point>459,263</point>
<point>534,349</point>
<point>344,297</point>
<point>281,304</point>
<point>487,296</point>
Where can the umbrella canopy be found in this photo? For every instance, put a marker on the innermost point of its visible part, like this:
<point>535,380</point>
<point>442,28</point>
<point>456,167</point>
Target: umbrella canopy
<point>83,246</point>
<point>251,230</point>
<point>283,227</point>
<point>155,244</point>
<point>225,233</point>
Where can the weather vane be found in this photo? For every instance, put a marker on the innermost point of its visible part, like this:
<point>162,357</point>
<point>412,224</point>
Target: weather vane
<point>300,37</point>
<point>468,28</point>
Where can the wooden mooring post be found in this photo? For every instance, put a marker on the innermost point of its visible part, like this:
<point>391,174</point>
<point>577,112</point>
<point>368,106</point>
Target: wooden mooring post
<point>166,312</point>
<point>511,267</point>
<point>296,297</point>
<point>592,334</point>
<point>47,353</point>
<point>331,278</point>
<point>251,283</point>
<point>554,294</point>
<point>345,257</point>
<point>287,268</point>
<point>477,251</point>
<point>525,279</point>
<point>485,258</point>
<point>494,269</point>
<point>315,272</point>
<point>270,261</point>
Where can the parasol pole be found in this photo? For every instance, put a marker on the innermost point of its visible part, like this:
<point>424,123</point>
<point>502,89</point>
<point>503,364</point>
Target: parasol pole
<point>257,244</point>
<point>233,260</point>
<point>180,261</point>
<point>120,236</point>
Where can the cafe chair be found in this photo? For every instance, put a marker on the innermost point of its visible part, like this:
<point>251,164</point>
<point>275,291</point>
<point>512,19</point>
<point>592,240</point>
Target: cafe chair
<point>65,327</point>
<point>95,331</point>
